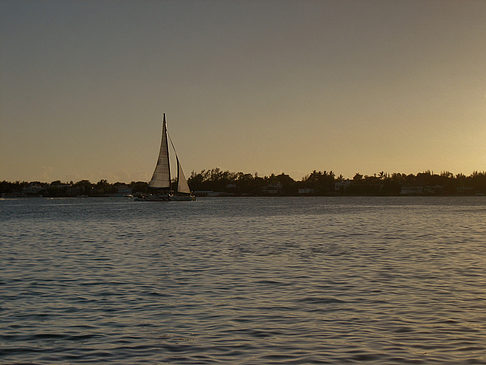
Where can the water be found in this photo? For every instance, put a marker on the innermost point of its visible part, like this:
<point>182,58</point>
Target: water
<point>243,280</point>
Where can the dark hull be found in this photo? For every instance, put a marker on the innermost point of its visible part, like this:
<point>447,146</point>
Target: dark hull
<point>164,197</point>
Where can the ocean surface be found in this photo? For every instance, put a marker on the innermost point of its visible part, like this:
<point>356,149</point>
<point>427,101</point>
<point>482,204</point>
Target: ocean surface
<point>243,280</point>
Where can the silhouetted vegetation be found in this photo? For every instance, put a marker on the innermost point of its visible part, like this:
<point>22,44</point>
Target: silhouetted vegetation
<point>219,182</point>
<point>326,183</point>
<point>70,189</point>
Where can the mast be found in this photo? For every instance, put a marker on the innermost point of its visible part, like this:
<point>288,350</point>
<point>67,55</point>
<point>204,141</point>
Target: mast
<point>178,168</point>
<point>164,129</point>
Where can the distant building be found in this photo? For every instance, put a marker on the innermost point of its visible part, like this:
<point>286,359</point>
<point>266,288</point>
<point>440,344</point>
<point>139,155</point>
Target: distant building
<point>59,185</point>
<point>272,189</point>
<point>33,189</point>
<point>121,189</point>
<point>305,191</point>
<point>436,189</point>
<point>210,193</point>
<point>411,190</point>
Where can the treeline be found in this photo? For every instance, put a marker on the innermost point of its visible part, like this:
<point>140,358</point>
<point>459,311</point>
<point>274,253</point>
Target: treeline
<point>219,182</point>
<point>327,183</point>
<point>70,189</point>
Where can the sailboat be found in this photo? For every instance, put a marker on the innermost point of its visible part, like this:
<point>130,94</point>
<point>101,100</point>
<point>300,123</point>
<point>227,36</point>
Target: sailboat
<point>161,179</point>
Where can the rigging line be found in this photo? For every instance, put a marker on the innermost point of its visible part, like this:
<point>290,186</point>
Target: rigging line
<point>177,158</point>
<point>172,144</point>
<point>170,139</point>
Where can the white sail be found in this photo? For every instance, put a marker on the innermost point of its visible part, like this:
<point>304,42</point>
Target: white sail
<point>161,176</point>
<point>182,186</point>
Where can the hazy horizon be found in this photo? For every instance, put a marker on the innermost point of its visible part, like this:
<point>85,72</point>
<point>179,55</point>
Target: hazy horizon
<point>267,87</point>
<point>255,173</point>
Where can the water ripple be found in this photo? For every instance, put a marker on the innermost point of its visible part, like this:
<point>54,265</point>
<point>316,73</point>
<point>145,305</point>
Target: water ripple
<point>251,281</point>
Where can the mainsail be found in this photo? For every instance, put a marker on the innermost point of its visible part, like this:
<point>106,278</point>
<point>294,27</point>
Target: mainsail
<point>161,176</point>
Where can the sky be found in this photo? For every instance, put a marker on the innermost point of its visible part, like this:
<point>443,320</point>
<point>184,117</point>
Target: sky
<point>254,86</point>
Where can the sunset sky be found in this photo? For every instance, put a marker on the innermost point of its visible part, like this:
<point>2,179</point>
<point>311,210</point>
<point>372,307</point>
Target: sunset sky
<point>254,86</point>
